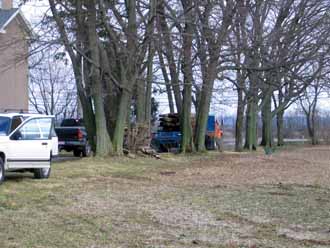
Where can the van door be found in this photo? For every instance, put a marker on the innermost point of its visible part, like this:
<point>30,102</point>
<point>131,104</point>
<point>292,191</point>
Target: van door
<point>30,145</point>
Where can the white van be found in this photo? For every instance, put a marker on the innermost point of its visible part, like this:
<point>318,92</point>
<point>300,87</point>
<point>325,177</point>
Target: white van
<point>27,143</point>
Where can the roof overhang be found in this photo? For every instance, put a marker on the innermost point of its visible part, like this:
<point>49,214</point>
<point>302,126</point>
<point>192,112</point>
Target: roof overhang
<point>22,20</point>
<point>12,17</point>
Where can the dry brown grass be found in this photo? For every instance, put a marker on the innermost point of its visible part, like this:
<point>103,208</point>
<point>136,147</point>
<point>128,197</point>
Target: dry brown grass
<point>211,200</point>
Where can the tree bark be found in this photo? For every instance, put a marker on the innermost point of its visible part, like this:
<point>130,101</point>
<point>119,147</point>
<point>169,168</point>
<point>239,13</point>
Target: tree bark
<point>150,74</point>
<point>103,141</point>
<point>167,81</point>
<point>311,123</point>
<point>204,106</point>
<point>239,121</point>
<point>140,105</point>
<point>251,125</point>
<point>266,122</point>
<point>187,136</point>
<point>118,136</point>
<point>128,77</point>
<point>150,61</point>
<point>280,128</point>
<point>280,120</point>
<point>86,103</point>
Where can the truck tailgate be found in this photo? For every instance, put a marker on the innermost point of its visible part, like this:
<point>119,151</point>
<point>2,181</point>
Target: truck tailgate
<point>67,133</point>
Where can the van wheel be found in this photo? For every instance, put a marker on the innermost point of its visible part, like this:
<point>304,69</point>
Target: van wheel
<point>42,173</point>
<point>2,171</point>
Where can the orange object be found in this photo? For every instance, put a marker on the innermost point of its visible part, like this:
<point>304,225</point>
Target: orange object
<point>218,131</point>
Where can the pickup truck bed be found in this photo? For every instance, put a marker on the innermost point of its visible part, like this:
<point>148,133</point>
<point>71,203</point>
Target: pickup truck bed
<point>72,137</point>
<point>166,141</point>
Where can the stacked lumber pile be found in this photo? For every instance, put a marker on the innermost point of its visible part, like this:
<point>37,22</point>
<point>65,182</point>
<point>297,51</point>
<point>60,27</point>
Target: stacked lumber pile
<point>170,122</point>
<point>136,137</point>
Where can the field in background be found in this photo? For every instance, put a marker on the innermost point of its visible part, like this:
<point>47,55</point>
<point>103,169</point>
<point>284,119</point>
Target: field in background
<point>212,200</point>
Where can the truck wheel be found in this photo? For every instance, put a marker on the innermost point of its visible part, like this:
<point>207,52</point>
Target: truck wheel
<point>42,173</point>
<point>76,153</point>
<point>2,171</point>
<point>87,150</point>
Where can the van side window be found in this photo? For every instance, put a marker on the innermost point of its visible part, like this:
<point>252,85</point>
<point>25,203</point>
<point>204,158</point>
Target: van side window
<point>30,131</point>
<point>45,125</point>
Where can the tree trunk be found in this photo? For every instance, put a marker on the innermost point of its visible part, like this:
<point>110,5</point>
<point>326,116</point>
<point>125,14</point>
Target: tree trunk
<point>128,77</point>
<point>140,105</point>
<point>111,96</point>
<point>150,74</point>
<point>167,81</point>
<point>118,135</point>
<point>251,125</point>
<point>187,136</point>
<point>310,120</point>
<point>143,106</point>
<point>280,120</point>
<point>267,122</point>
<point>204,106</point>
<point>239,122</point>
<point>280,126</point>
<point>313,120</point>
<point>263,128</point>
<point>103,142</point>
<point>247,122</point>
<point>87,110</point>
<point>150,67</point>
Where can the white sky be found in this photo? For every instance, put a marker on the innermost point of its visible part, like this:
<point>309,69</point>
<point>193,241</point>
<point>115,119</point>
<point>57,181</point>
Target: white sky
<point>34,10</point>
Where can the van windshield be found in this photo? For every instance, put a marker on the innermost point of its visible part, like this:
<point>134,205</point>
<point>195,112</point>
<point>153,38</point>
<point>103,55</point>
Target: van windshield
<point>4,126</point>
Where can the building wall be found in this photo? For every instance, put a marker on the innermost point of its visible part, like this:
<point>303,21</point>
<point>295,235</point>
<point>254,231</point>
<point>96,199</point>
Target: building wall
<point>13,68</point>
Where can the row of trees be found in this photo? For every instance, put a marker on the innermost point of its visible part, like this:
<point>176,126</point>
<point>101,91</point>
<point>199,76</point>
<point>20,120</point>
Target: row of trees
<point>283,51</point>
<point>270,51</point>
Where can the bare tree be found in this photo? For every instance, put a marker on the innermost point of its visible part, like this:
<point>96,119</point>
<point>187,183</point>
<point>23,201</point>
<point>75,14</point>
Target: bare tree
<point>52,89</point>
<point>278,41</point>
<point>309,104</point>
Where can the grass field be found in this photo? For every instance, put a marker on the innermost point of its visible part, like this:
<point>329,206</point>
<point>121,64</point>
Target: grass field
<point>212,200</point>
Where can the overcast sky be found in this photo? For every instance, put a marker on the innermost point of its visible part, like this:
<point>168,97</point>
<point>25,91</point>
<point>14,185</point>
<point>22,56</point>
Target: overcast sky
<point>34,10</point>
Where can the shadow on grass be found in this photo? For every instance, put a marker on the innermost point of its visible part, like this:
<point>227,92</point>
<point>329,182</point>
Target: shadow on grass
<point>18,176</point>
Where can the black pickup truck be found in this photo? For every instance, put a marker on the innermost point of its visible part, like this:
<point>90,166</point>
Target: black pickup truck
<point>72,136</point>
